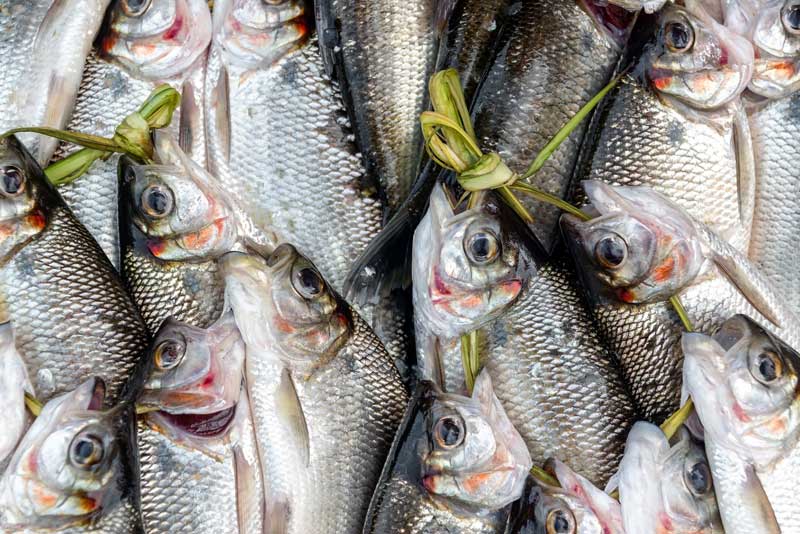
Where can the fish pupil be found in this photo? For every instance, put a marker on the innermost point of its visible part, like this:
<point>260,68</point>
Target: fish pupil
<point>158,201</point>
<point>766,366</point>
<point>793,17</point>
<point>310,281</point>
<point>560,523</point>
<point>699,478</point>
<point>611,251</point>
<point>12,180</point>
<point>678,35</point>
<point>450,432</point>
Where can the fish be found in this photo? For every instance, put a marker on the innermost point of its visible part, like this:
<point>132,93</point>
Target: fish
<point>14,384</point>
<point>68,308</point>
<point>142,45</point>
<point>743,381</point>
<point>382,53</point>
<point>642,248</point>
<point>649,6</point>
<point>70,472</point>
<point>556,57</point>
<point>44,47</point>
<point>575,506</point>
<point>474,271</point>
<point>196,450</point>
<point>667,487</point>
<point>325,395</point>
<point>774,108</point>
<point>176,220</point>
<point>456,465</point>
<point>681,103</point>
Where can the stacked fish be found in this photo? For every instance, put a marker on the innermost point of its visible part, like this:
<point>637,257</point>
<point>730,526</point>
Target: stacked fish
<point>277,313</point>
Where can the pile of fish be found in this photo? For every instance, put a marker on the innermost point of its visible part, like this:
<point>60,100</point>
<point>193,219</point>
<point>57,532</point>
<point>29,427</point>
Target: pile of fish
<point>267,321</point>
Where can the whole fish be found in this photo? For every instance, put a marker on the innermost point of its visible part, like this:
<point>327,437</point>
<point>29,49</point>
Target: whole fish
<point>193,473</point>
<point>575,506</point>
<point>325,394</point>
<point>142,45</point>
<point>666,488</point>
<point>775,125</point>
<point>456,465</point>
<point>558,54</point>
<point>744,383</point>
<point>681,107</point>
<point>14,383</point>
<point>551,370</point>
<point>638,251</point>
<point>71,471</point>
<point>69,310</point>
<point>381,53</point>
<point>43,50</point>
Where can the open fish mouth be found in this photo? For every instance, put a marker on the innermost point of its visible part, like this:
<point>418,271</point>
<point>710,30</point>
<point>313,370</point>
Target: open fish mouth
<point>209,425</point>
<point>705,88</point>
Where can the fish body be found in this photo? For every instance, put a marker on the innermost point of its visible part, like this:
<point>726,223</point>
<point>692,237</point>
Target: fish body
<point>382,53</point>
<point>117,80</point>
<point>71,315</point>
<point>555,57</point>
<point>325,394</point>
<point>433,483</point>
<point>15,384</point>
<point>44,47</point>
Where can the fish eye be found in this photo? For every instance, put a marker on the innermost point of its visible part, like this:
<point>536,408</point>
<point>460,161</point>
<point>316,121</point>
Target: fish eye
<point>790,15</point>
<point>767,367</point>
<point>169,353</point>
<point>482,247</point>
<point>678,35</point>
<point>307,281</point>
<point>611,251</point>
<point>560,522</point>
<point>135,8</point>
<point>157,201</point>
<point>86,450</point>
<point>698,479</point>
<point>12,182</point>
<point>449,432</point>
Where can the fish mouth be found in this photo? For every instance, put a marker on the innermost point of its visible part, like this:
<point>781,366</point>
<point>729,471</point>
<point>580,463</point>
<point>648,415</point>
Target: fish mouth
<point>705,88</point>
<point>613,20</point>
<point>210,241</point>
<point>453,299</point>
<point>774,77</point>
<point>208,425</point>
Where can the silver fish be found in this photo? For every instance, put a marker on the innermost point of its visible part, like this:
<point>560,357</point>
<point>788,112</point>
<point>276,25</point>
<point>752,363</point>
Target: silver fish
<point>666,487</point>
<point>326,396</point>
<point>71,315</point>
<point>456,465</point>
<point>69,473</point>
<point>197,455</point>
<point>43,47</point>
<point>14,383</point>
<point>551,370</point>
<point>143,45</point>
<point>744,384</point>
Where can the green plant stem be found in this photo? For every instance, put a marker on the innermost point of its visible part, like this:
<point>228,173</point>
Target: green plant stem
<point>543,196</point>
<point>33,405</point>
<point>543,476</point>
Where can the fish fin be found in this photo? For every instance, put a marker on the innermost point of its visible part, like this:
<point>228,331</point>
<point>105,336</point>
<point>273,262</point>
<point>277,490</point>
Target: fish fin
<point>290,413</point>
<point>189,111</point>
<point>739,278</point>
<point>442,11</point>
<point>222,114</point>
<point>746,166</point>
<point>277,514</point>
<point>250,496</point>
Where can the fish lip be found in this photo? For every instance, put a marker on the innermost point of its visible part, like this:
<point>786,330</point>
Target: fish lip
<point>203,426</point>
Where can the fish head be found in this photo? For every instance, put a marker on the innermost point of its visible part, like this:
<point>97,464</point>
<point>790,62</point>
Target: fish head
<point>257,33</point>
<point>178,211</point>
<point>282,303</point>
<point>641,247</point>
<point>744,383</point>
<point>666,488</point>
<point>64,469</point>
<point>467,267</point>
<point>776,38</point>
<point>473,455</point>
<point>697,60</point>
<point>156,39</point>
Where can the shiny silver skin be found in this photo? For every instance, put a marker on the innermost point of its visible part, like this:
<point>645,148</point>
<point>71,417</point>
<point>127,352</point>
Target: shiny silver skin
<point>455,466</point>
<point>198,466</point>
<point>135,55</point>
<point>71,315</point>
<point>557,55</point>
<point>43,47</point>
<point>550,368</point>
<point>325,394</point>
<point>775,33</point>
<point>666,487</point>
<point>68,473</point>
<point>382,53</point>
<point>744,384</point>
<point>14,383</point>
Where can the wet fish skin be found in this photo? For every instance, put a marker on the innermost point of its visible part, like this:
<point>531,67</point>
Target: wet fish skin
<point>44,48</point>
<point>118,79</point>
<point>80,456</point>
<point>382,53</point>
<point>326,396</point>
<point>554,58</point>
<point>71,315</point>
<point>431,485</point>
